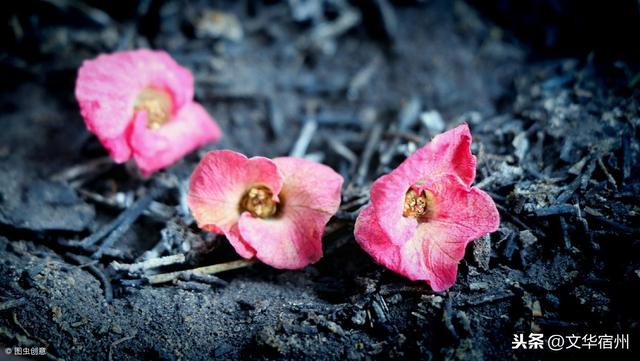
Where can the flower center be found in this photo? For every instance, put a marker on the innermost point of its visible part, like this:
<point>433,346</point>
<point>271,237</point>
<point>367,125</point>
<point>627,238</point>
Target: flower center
<point>157,103</point>
<point>417,205</point>
<point>259,201</point>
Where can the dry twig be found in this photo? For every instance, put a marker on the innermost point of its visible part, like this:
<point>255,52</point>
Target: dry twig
<point>207,270</point>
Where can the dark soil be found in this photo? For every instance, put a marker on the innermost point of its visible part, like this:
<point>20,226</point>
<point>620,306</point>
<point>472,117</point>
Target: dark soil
<point>557,146</point>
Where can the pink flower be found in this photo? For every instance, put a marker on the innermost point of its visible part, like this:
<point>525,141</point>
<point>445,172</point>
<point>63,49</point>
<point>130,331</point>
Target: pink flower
<point>423,214</point>
<point>140,104</point>
<point>274,210</point>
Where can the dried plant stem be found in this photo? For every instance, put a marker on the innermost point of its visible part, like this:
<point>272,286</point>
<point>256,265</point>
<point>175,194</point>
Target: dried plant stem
<point>374,138</point>
<point>12,303</point>
<point>306,134</point>
<point>121,224</point>
<point>606,173</point>
<point>148,264</point>
<point>92,166</point>
<point>116,343</point>
<point>97,272</point>
<point>207,270</point>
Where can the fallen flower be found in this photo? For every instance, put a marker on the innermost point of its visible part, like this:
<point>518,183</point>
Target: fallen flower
<point>140,105</point>
<point>274,210</point>
<point>423,214</point>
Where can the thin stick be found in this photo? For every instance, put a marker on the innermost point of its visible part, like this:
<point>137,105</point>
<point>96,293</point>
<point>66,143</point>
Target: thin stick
<point>497,296</point>
<point>342,150</point>
<point>82,169</point>
<point>203,278</point>
<point>406,119</point>
<point>148,264</point>
<point>306,134</point>
<point>24,330</point>
<point>276,118</point>
<point>97,273</point>
<point>129,215</point>
<point>362,78</point>
<point>412,137</point>
<point>126,219</point>
<point>12,303</point>
<point>15,320</point>
<point>555,210</point>
<point>577,182</point>
<point>374,138</point>
<point>207,270</point>
<point>156,209</point>
<point>112,253</point>
<point>606,173</point>
<point>116,343</point>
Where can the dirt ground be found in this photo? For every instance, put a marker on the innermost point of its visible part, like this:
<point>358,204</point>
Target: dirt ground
<point>556,136</point>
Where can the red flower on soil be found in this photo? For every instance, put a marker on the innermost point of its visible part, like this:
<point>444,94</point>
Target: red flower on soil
<point>274,210</point>
<point>423,214</point>
<point>140,105</point>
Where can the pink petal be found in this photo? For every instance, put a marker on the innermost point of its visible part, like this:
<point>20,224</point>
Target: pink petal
<point>217,186</point>
<point>118,147</point>
<point>431,256</point>
<point>468,212</point>
<point>420,258</point>
<point>436,247</point>
<point>288,242</point>
<point>310,185</point>
<point>447,153</point>
<point>243,249</point>
<point>375,241</point>
<point>154,149</point>
<point>310,196</point>
<point>108,85</point>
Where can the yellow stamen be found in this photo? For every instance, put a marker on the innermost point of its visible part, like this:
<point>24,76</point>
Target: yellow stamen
<point>259,201</point>
<point>157,104</point>
<point>417,205</point>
